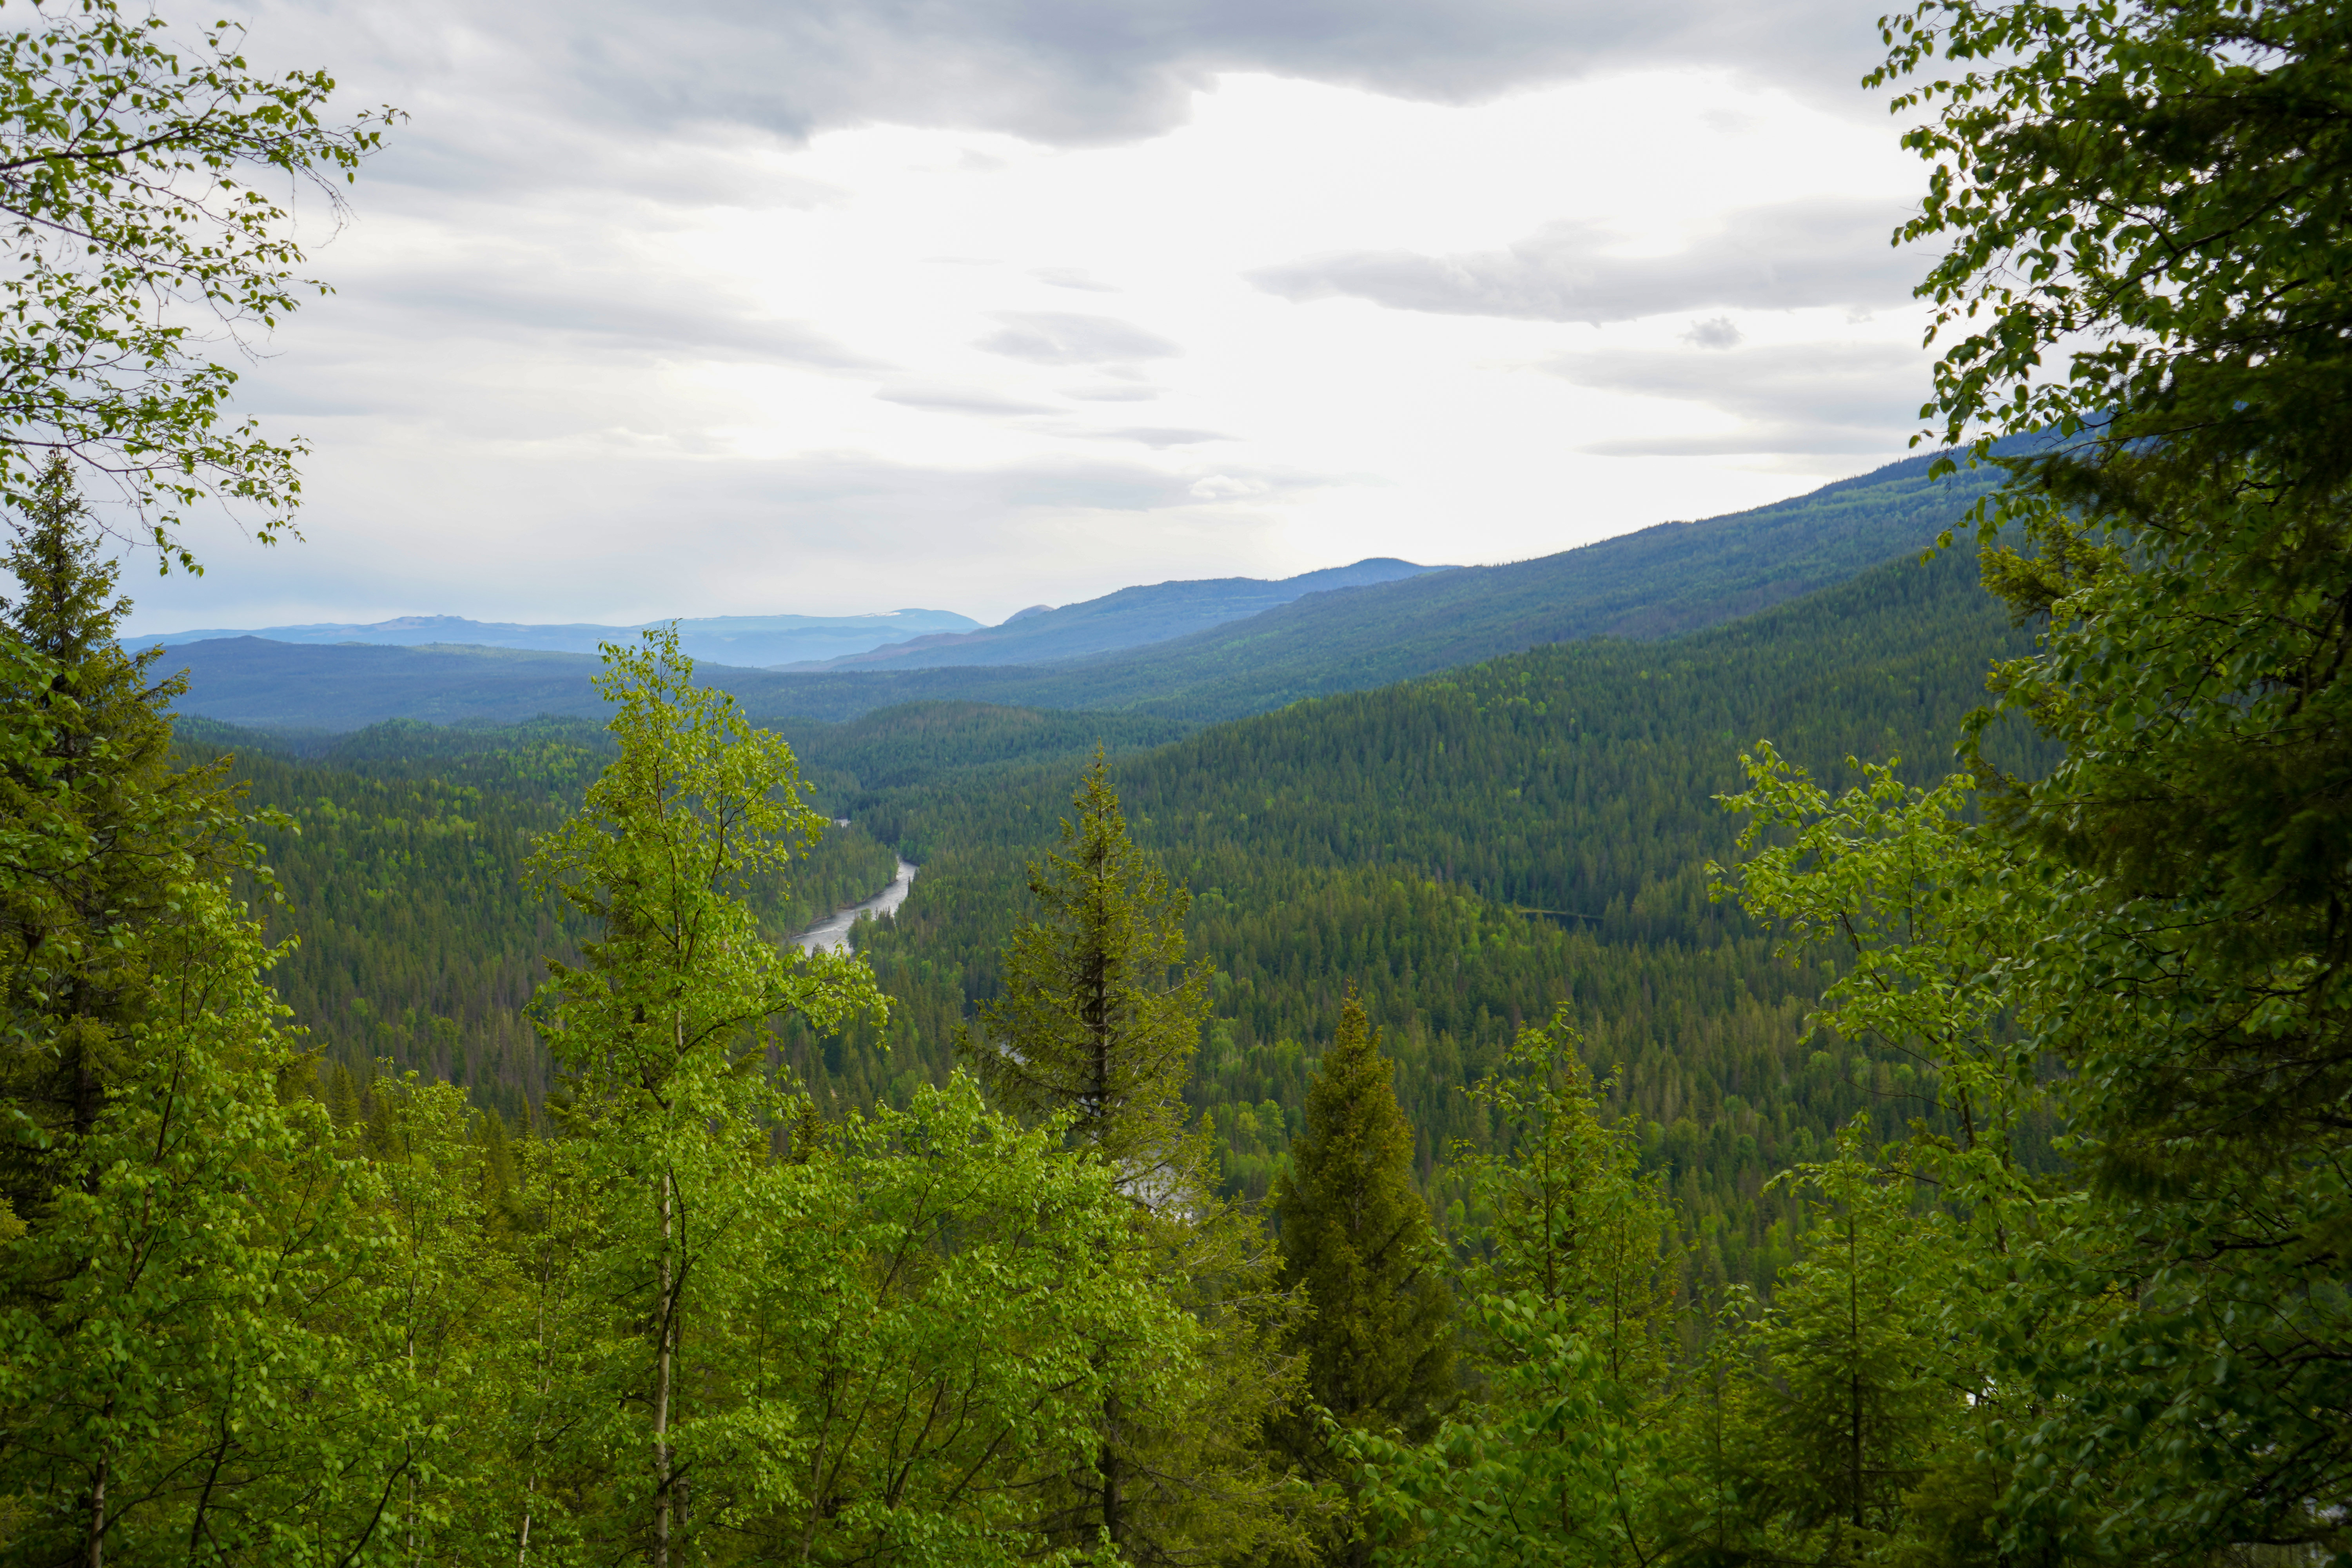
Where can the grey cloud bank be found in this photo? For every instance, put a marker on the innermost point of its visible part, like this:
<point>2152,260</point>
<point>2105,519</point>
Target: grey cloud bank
<point>1793,398</point>
<point>1789,256</point>
<point>1053,337</point>
<point>1068,72</point>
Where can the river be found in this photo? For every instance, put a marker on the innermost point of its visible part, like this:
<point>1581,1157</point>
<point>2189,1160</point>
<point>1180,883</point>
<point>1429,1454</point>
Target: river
<point>833,932</point>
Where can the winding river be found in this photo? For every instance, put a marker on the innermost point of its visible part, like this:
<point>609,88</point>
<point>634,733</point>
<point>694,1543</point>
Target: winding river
<point>833,932</point>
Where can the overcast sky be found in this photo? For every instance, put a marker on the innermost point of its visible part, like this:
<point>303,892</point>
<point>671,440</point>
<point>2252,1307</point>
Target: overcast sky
<point>725,307</point>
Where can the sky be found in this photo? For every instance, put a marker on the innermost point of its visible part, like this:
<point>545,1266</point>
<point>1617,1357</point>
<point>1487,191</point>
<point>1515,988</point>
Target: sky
<point>743,307</point>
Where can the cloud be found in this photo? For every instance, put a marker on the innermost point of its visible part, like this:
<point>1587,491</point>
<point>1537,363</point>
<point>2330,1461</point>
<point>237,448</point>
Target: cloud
<point>1070,278</point>
<point>1065,72</point>
<point>608,313</point>
<point>1789,256</point>
<point>1155,435</point>
<point>1053,337</point>
<point>1826,398</point>
<point>954,400</point>
<point>1716,333</point>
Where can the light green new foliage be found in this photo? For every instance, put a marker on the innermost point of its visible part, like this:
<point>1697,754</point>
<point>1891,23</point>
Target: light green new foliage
<point>1567,1459</point>
<point>165,1329</point>
<point>142,217</point>
<point>938,1327</point>
<point>662,1034</point>
<point>1932,927</point>
<point>184,1257</point>
<point>438,1304</point>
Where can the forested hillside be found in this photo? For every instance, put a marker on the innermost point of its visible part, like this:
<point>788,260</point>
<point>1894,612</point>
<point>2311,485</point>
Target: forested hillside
<point>1130,618</point>
<point>1468,850</point>
<point>401,861</point>
<point>1472,849</point>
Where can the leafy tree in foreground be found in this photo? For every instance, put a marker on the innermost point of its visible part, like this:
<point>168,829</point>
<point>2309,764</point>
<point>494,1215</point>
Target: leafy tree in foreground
<point>2157,194</point>
<point>663,1031</point>
<point>1568,1460</point>
<point>1358,1241</point>
<point>174,1272</point>
<point>130,173</point>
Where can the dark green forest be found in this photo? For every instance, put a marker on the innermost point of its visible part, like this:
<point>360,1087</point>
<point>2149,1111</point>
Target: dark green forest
<point>1469,851</point>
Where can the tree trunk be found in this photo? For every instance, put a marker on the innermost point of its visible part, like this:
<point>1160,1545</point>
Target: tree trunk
<point>96,1557</point>
<point>1114,1526</point>
<point>666,1332</point>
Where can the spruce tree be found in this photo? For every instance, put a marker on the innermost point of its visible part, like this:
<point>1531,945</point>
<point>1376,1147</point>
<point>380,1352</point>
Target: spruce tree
<point>103,825</point>
<point>170,1299</point>
<point>1097,1022</point>
<point>1098,1017</point>
<point>1356,1240</point>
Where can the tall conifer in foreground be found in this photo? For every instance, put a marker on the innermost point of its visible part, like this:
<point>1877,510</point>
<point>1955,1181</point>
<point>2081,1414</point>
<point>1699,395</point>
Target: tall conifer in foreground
<point>178,1248</point>
<point>1097,1021</point>
<point>1357,1238</point>
<point>1099,1015</point>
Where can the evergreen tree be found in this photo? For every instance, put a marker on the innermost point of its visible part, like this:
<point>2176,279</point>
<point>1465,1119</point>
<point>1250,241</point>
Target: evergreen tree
<point>183,1246</point>
<point>1853,1404</point>
<point>1566,1459</point>
<point>1097,1024</point>
<point>1358,1241</point>
<point>109,829</point>
<point>1098,1017</point>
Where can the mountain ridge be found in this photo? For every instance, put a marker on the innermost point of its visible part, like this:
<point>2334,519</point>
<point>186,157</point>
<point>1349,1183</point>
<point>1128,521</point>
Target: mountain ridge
<point>1110,622</point>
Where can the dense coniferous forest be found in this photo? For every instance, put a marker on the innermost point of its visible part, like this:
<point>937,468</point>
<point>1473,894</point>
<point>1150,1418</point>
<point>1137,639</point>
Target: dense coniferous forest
<point>1469,851</point>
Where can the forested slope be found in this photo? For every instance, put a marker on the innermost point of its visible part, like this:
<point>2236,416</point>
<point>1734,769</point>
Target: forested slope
<point>1473,849</point>
<point>1130,618</point>
<point>403,866</point>
<point>1469,850</point>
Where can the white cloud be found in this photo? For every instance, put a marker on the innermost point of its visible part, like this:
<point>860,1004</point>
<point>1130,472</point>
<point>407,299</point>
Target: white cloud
<point>1816,251</point>
<point>724,308</point>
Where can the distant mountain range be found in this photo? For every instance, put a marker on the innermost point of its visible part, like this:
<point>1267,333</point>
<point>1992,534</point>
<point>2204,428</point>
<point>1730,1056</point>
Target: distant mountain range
<point>753,640</point>
<point>1661,582</point>
<point>891,640</point>
<point>1131,618</point>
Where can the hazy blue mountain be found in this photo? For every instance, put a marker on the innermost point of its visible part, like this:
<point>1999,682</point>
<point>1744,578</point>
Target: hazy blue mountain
<point>1131,618</point>
<point>1660,582</point>
<point>752,640</point>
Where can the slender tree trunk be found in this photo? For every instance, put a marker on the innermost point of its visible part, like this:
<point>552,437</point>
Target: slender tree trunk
<point>666,1334</point>
<point>1853,1378</point>
<point>96,1556</point>
<point>1114,1525</point>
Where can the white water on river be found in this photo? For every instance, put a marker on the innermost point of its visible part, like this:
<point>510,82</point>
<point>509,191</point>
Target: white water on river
<point>833,932</point>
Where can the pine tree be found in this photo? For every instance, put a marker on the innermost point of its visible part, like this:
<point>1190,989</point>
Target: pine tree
<point>1097,1022</point>
<point>104,826</point>
<point>1858,1392</point>
<point>182,1233</point>
<point>1566,1460</point>
<point>1098,1018</point>
<point>1356,1240</point>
